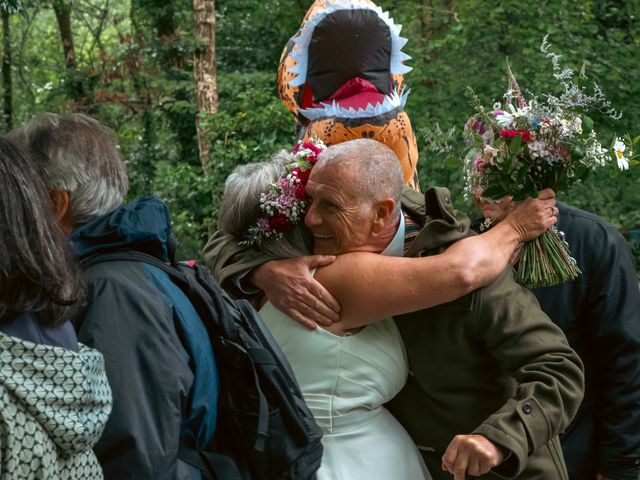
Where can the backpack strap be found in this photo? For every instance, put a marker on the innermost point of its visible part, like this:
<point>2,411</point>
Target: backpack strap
<point>131,256</point>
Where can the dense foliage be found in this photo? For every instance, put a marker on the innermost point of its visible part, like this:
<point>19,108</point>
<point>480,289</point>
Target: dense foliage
<point>133,70</point>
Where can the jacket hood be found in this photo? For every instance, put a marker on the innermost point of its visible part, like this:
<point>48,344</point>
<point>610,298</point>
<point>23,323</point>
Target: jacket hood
<point>143,225</point>
<point>443,224</point>
<point>66,392</point>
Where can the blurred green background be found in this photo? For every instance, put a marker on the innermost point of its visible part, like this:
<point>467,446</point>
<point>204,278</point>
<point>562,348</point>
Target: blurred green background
<point>133,69</point>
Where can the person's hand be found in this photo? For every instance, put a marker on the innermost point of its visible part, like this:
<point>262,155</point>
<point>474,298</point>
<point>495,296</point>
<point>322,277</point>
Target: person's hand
<point>532,217</point>
<point>472,455</point>
<point>292,289</point>
<point>599,476</point>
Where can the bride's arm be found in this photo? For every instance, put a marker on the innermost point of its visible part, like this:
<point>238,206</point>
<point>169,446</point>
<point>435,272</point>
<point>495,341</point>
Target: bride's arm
<point>371,287</point>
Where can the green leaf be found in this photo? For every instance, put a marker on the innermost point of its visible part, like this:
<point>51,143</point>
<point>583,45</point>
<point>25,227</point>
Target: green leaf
<point>582,172</point>
<point>518,197</point>
<point>577,153</point>
<point>506,168</point>
<point>523,172</point>
<point>514,148</point>
<point>494,192</point>
<point>587,124</point>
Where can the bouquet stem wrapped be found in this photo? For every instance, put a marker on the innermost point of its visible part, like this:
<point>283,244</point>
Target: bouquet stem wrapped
<point>546,261</point>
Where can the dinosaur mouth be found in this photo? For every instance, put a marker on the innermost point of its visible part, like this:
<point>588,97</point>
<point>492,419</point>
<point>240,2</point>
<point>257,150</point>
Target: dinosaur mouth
<point>366,44</point>
<point>357,98</point>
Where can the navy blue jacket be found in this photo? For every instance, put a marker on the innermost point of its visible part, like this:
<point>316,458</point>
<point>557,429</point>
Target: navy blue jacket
<point>159,360</point>
<point>600,315</point>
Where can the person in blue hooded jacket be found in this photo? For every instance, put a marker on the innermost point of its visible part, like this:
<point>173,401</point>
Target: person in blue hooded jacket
<point>159,360</point>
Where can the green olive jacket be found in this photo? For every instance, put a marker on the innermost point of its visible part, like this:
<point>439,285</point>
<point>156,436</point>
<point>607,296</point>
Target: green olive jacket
<point>490,363</point>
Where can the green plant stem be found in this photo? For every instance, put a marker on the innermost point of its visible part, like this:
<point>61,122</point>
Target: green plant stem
<point>546,261</point>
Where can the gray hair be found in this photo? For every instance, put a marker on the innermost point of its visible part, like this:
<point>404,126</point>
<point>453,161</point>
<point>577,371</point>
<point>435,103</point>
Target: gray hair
<point>77,154</point>
<point>375,166</point>
<point>240,208</point>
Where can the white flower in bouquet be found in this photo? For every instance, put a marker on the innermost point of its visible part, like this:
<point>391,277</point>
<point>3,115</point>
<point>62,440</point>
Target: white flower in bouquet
<point>595,152</point>
<point>619,147</point>
<point>539,149</point>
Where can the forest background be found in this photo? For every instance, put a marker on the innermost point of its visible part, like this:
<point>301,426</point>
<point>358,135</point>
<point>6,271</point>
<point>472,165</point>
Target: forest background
<point>130,63</point>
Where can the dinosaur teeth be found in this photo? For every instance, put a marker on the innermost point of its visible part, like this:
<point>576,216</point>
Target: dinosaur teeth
<point>333,109</point>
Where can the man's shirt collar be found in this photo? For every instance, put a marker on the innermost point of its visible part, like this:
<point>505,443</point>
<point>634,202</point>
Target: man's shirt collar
<point>396,246</point>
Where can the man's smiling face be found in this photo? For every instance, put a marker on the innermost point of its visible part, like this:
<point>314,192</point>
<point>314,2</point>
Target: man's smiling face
<point>339,220</point>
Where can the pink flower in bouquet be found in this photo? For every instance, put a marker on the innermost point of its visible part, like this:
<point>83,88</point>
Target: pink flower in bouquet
<point>300,192</point>
<point>279,222</point>
<point>263,225</point>
<point>479,163</point>
<point>312,146</point>
<point>476,126</point>
<point>564,152</point>
<point>303,175</point>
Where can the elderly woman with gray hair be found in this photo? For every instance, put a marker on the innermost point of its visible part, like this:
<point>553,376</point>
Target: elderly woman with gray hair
<point>54,394</point>
<point>346,371</point>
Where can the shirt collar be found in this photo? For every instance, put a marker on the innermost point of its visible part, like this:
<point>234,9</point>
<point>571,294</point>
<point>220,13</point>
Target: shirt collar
<point>396,245</point>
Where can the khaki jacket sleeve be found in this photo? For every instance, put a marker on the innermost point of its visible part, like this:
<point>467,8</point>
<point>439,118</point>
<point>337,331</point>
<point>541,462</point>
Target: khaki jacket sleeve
<point>230,262</point>
<point>533,351</point>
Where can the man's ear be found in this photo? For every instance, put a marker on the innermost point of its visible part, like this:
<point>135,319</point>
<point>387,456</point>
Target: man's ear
<point>383,212</point>
<point>61,203</point>
<point>60,200</point>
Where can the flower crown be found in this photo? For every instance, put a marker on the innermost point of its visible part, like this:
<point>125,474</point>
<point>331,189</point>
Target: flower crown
<point>286,201</point>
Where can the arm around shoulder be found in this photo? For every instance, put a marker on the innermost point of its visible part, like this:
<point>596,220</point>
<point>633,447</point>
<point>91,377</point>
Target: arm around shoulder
<point>230,262</point>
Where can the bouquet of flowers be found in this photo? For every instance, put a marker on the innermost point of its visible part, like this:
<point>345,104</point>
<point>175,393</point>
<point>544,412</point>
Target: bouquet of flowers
<point>522,146</point>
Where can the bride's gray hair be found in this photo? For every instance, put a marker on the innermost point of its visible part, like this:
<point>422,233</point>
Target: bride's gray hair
<point>240,207</point>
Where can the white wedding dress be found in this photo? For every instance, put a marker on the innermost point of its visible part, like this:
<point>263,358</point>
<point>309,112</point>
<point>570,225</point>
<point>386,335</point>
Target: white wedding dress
<point>345,382</point>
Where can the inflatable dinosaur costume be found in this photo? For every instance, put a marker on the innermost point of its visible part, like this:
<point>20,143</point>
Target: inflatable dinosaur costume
<point>341,75</point>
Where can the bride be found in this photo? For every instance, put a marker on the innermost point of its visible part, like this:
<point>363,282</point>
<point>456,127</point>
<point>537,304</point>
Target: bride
<point>346,371</point>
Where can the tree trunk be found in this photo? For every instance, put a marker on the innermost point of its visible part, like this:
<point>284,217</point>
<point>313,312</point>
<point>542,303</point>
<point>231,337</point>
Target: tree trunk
<point>204,68</point>
<point>6,71</point>
<point>63,15</point>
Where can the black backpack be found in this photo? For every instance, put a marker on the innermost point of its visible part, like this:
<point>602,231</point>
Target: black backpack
<point>265,431</point>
